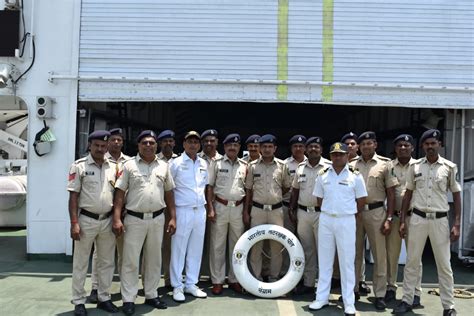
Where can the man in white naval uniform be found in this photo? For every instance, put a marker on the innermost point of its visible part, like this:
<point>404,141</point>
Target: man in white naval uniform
<point>190,175</point>
<point>341,193</point>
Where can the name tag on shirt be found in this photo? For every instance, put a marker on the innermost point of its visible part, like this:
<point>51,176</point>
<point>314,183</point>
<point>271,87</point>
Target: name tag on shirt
<point>90,173</point>
<point>344,182</point>
<point>224,170</point>
<point>292,171</point>
<point>256,175</point>
<point>202,169</point>
<point>418,175</point>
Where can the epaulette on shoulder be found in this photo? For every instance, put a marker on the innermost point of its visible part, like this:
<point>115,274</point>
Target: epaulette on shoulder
<point>323,171</point>
<point>219,158</point>
<point>278,160</point>
<point>418,161</point>
<point>354,159</point>
<point>83,159</point>
<point>383,158</point>
<point>353,170</point>
<point>302,163</point>
<point>253,162</point>
<point>242,161</point>
<point>448,163</point>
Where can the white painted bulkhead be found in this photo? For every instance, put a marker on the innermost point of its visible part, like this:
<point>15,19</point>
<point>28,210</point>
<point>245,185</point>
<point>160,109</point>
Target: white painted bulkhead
<point>101,42</point>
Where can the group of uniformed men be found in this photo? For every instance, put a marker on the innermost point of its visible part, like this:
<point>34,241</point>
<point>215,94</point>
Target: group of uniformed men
<point>155,207</point>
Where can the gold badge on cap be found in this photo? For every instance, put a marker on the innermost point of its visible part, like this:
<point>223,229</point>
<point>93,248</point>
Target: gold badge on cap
<point>337,146</point>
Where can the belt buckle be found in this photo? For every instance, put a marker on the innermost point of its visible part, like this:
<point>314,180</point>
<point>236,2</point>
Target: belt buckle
<point>148,215</point>
<point>311,209</point>
<point>102,216</point>
<point>366,207</point>
<point>267,207</point>
<point>231,203</point>
<point>431,215</point>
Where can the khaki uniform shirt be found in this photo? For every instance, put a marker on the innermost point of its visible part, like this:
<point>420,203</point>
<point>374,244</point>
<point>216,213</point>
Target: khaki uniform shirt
<point>400,171</point>
<point>228,178</point>
<point>162,157</point>
<point>95,184</point>
<point>119,161</point>
<point>305,180</point>
<point>146,184</point>
<point>267,180</point>
<point>208,159</point>
<point>292,165</point>
<point>430,184</point>
<point>377,176</point>
<point>247,159</point>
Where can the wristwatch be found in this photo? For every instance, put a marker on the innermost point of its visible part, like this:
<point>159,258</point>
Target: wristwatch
<point>390,219</point>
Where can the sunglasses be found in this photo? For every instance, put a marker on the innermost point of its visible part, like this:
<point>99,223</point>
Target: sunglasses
<point>148,143</point>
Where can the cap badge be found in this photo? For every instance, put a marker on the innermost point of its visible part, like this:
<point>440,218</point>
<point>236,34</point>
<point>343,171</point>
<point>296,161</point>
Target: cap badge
<point>435,134</point>
<point>367,135</point>
<point>300,139</point>
<point>406,138</point>
<point>337,146</point>
<point>235,139</point>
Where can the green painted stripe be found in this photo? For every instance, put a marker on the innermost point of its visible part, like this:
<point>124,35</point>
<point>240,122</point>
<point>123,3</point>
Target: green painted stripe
<point>328,45</point>
<point>282,49</point>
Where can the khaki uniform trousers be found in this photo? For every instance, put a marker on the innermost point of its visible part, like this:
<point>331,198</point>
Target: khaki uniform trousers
<point>100,232</point>
<point>259,217</point>
<point>394,245</point>
<point>228,226</point>
<point>438,231</point>
<point>370,224</point>
<point>166,251</point>
<point>94,277</point>
<point>418,280</point>
<point>308,224</point>
<point>288,224</point>
<point>146,234</point>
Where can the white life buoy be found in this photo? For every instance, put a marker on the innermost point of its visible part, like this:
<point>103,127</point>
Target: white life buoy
<point>241,269</point>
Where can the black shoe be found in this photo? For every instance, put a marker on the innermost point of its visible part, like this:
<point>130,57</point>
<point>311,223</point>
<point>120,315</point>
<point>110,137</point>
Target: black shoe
<point>402,308</point>
<point>335,283</point>
<point>364,288</point>
<point>450,312</point>
<point>346,314</point>
<point>303,289</point>
<point>108,306</point>
<point>80,310</point>
<point>93,298</point>
<point>390,295</point>
<point>156,303</point>
<point>380,304</point>
<point>356,297</point>
<point>416,301</point>
<point>128,308</point>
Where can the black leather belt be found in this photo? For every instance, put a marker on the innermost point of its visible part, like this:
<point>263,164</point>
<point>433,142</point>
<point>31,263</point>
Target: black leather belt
<point>274,206</point>
<point>408,213</point>
<point>144,215</point>
<point>226,202</point>
<point>430,215</point>
<point>305,208</point>
<point>287,204</point>
<point>375,205</point>
<point>94,215</point>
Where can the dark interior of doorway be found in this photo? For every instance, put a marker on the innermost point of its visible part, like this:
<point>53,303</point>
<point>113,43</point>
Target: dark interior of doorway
<point>281,119</point>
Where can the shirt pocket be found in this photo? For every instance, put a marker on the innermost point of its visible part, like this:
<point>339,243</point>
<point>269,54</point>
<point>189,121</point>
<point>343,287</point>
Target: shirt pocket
<point>90,184</point>
<point>277,177</point>
<point>442,183</point>
<point>420,182</point>
<point>139,179</point>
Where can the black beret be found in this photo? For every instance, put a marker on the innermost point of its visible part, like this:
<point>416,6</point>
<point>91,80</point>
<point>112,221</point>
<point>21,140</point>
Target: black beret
<point>338,148</point>
<point>349,135</point>
<point>167,133</point>
<point>297,139</point>
<point>252,139</point>
<point>267,138</point>
<point>403,137</point>
<point>116,131</point>
<point>146,133</point>
<point>99,134</point>
<point>209,132</point>
<point>431,133</point>
<point>232,138</point>
<point>314,139</point>
<point>366,135</point>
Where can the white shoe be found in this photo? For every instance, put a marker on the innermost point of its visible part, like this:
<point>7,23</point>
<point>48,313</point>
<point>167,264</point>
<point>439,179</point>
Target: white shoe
<point>349,310</point>
<point>178,294</point>
<point>195,291</point>
<point>318,305</point>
